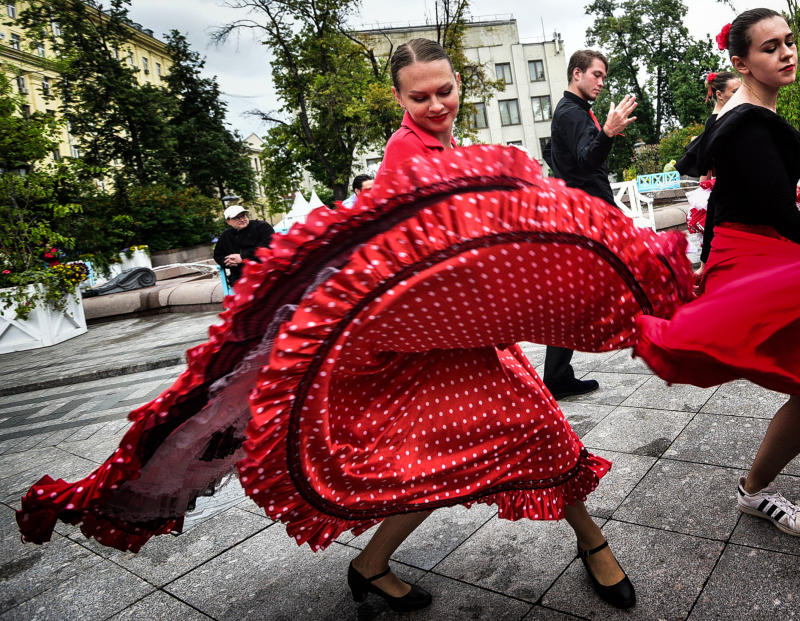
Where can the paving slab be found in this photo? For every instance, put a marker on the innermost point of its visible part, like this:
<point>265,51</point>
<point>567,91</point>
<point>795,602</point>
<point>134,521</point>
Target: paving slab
<point>695,499</point>
<point>626,472</point>
<point>624,362</point>
<point>668,571</point>
<point>614,388</point>
<point>637,430</point>
<point>106,350</point>
<point>53,461</point>
<point>750,585</point>
<point>269,577</point>
<point>741,398</point>
<point>166,558</point>
<point>521,559</point>
<point>456,601</point>
<point>89,595</point>
<point>159,606</point>
<point>720,440</point>
<point>656,393</point>
<point>583,417</point>
<point>440,534</point>
<point>27,570</point>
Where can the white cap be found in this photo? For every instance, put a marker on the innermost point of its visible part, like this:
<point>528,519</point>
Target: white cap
<point>233,211</point>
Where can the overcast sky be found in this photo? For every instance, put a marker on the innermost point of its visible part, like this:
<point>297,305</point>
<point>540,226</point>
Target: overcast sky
<point>242,68</point>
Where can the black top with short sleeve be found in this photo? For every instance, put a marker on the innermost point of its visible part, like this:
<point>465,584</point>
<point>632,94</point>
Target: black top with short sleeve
<point>756,157</point>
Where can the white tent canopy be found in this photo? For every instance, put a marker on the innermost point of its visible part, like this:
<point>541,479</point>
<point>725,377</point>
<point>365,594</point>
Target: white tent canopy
<point>315,201</point>
<point>300,209</point>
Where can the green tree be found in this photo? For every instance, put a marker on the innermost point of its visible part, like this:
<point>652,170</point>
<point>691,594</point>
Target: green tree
<point>789,96</point>
<point>207,154</point>
<point>687,90</point>
<point>23,140</point>
<point>652,56</point>
<point>113,119</point>
<point>323,81</point>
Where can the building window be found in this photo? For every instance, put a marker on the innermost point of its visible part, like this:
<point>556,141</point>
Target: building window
<point>56,28</point>
<point>478,120</point>
<point>145,66</point>
<point>503,71</point>
<point>514,143</point>
<point>158,69</point>
<point>11,9</point>
<point>74,151</point>
<point>373,161</point>
<point>15,41</point>
<point>26,111</point>
<point>536,69</point>
<point>543,142</point>
<point>541,108</point>
<point>40,49</point>
<point>46,86</point>
<point>21,87</point>
<point>509,112</point>
<point>131,62</point>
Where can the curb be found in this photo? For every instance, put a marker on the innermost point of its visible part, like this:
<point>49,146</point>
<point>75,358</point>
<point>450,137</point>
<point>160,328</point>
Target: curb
<point>93,375</point>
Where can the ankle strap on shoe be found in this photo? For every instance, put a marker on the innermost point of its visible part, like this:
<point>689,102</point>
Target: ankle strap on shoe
<point>584,553</point>
<point>382,574</point>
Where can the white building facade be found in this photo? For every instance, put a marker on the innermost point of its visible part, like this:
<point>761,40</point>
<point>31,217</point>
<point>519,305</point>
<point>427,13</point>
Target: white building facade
<point>534,72</point>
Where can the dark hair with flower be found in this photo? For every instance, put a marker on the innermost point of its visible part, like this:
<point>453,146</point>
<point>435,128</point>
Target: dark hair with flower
<point>738,37</point>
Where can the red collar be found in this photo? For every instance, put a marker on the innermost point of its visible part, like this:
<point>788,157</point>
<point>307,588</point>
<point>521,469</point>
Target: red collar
<point>428,139</point>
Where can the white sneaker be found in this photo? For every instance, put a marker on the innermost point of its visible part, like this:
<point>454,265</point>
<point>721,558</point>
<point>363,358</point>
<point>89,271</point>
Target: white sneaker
<point>770,504</point>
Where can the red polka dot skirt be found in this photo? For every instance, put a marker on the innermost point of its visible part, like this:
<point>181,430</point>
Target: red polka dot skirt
<point>367,367</point>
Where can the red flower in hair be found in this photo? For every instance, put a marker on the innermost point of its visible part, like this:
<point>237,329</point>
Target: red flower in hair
<point>723,36</point>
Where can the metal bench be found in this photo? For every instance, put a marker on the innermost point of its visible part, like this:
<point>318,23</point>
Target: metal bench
<point>659,181</point>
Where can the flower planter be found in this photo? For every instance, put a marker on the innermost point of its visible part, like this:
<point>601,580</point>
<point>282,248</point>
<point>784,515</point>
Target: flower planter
<point>43,327</point>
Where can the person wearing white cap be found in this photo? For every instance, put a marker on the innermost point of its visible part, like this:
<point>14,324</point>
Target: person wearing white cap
<point>240,240</point>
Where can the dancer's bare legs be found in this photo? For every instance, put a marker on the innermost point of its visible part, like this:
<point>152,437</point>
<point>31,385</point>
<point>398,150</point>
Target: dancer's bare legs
<point>375,556</point>
<point>603,564</point>
<point>780,445</point>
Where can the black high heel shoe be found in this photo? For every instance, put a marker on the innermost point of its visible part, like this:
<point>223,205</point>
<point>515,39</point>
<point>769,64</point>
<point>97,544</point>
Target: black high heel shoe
<point>415,599</point>
<point>619,595</point>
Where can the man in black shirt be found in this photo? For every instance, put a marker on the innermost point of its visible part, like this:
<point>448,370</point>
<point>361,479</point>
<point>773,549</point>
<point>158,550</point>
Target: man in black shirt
<point>240,240</point>
<point>576,153</point>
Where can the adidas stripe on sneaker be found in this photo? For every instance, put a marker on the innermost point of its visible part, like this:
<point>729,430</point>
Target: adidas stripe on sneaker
<point>770,504</point>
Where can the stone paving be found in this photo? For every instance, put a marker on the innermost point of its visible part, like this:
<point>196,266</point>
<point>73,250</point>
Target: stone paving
<point>667,507</point>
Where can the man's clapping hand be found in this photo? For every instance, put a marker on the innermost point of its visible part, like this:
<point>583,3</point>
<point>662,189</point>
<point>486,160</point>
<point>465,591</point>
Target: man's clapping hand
<point>619,116</point>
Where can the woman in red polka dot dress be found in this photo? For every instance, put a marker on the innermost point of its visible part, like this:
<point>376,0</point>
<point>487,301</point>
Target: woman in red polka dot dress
<point>376,346</point>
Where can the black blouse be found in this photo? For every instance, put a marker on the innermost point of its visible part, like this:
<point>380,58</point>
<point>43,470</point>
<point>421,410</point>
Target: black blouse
<point>756,157</point>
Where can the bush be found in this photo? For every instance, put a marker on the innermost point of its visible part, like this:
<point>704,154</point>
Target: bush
<point>645,160</point>
<point>165,218</point>
<point>673,145</point>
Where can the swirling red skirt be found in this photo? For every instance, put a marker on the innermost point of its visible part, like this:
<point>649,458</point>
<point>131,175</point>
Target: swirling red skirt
<point>746,324</point>
<point>367,367</point>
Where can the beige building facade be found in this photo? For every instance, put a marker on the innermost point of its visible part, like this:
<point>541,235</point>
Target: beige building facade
<point>29,67</point>
<point>534,72</point>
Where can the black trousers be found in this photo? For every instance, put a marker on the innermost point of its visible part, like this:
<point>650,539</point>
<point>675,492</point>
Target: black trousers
<point>557,369</point>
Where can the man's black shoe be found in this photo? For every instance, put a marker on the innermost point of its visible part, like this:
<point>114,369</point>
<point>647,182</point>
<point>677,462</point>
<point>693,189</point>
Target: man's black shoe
<point>575,387</point>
